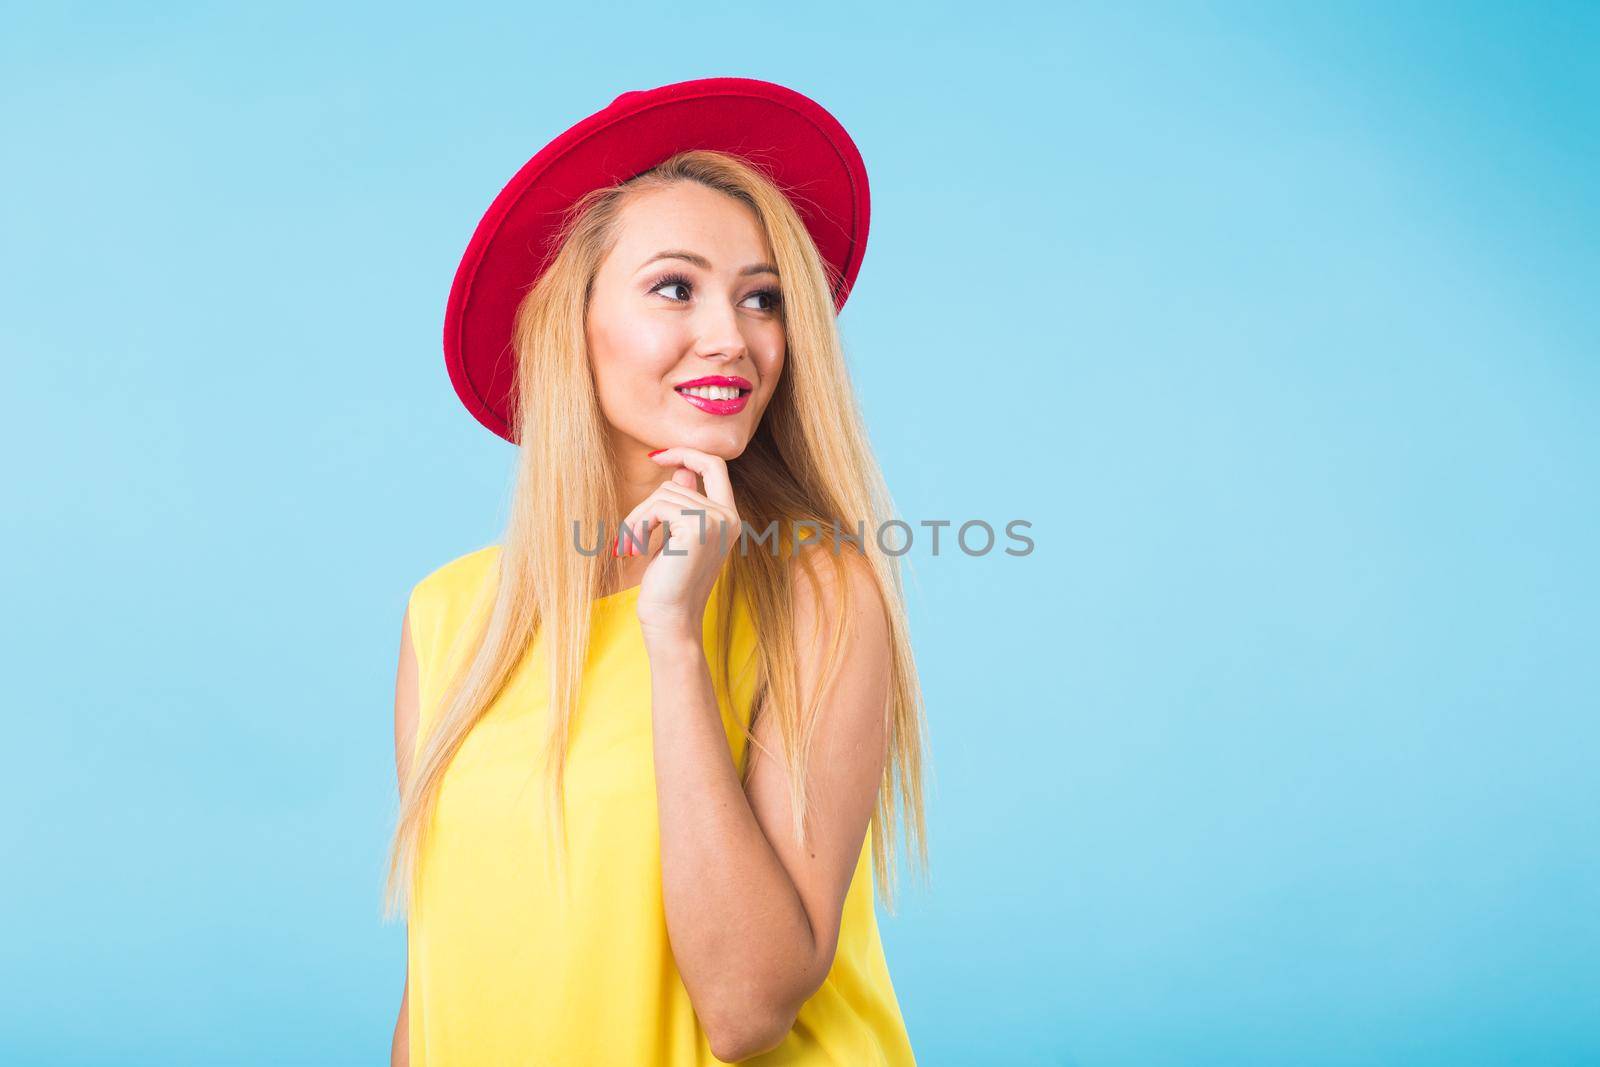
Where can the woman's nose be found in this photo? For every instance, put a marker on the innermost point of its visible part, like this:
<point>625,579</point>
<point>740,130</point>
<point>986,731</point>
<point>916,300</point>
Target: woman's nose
<point>720,336</point>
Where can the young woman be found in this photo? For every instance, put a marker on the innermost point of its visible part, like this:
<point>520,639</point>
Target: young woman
<point>648,781</point>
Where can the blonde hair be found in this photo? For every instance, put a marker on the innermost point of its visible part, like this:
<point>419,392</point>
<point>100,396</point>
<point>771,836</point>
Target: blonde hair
<point>809,459</point>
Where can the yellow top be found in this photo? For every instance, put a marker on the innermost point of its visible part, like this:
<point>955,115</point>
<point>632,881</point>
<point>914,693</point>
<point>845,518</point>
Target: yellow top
<point>498,976</point>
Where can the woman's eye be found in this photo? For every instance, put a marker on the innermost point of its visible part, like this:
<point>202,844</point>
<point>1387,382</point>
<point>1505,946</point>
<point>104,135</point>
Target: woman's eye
<point>671,283</point>
<point>771,298</point>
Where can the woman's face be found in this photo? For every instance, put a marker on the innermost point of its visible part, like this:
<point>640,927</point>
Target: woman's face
<point>709,309</point>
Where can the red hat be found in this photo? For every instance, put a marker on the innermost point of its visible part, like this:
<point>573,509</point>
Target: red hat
<point>789,136</point>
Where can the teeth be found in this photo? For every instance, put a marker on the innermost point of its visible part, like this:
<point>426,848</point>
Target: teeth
<point>712,392</point>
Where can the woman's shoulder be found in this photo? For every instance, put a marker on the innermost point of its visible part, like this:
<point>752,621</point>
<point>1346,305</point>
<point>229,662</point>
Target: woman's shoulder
<point>451,582</point>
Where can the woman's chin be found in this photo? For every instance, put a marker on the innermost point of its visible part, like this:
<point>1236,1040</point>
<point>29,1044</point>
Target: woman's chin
<point>726,444</point>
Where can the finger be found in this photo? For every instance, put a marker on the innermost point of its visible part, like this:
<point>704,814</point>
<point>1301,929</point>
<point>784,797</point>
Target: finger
<point>693,497</point>
<point>682,475</point>
<point>690,498</point>
<point>707,513</point>
<point>713,470</point>
<point>638,526</point>
<point>709,519</point>
<point>637,538</point>
<point>650,514</point>
<point>633,533</point>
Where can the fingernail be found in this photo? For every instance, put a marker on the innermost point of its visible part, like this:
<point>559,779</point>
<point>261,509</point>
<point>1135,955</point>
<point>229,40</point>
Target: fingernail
<point>658,451</point>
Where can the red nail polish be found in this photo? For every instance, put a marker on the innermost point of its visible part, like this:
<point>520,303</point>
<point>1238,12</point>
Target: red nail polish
<point>658,451</point>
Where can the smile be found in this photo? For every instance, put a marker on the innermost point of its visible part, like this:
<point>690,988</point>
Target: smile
<point>717,395</point>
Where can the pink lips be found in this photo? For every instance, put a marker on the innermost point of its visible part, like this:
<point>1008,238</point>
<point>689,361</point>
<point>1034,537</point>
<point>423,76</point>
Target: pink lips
<point>717,407</point>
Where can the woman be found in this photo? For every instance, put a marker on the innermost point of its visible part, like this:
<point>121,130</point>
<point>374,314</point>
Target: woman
<point>721,723</point>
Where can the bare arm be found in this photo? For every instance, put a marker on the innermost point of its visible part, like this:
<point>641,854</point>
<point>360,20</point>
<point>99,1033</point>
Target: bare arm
<point>400,1044</point>
<point>405,731</point>
<point>754,919</point>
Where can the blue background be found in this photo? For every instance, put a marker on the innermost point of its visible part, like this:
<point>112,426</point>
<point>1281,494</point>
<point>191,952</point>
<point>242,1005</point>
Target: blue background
<point>1279,324</point>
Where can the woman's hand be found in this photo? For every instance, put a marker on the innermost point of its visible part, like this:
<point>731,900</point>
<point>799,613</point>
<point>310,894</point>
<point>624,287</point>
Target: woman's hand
<point>677,582</point>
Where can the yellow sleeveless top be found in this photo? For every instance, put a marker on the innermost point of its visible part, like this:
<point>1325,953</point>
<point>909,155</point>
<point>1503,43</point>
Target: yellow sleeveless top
<point>499,974</point>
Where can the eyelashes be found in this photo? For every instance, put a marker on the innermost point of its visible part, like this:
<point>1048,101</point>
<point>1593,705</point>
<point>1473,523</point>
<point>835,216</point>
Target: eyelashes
<point>671,278</point>
<point>774,296</point>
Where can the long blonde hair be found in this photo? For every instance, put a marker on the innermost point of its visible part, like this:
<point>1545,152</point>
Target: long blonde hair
<point>809,460</point>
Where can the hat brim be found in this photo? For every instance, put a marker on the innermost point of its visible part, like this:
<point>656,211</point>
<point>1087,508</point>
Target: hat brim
<point>791,137</point>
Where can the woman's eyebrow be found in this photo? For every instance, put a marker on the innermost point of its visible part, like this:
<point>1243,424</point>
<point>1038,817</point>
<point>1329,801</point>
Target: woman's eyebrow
<point>705,264</point>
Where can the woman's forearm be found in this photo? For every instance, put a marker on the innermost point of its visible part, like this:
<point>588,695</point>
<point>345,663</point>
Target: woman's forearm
<point>739,932</point>
<point>400,1043</point>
